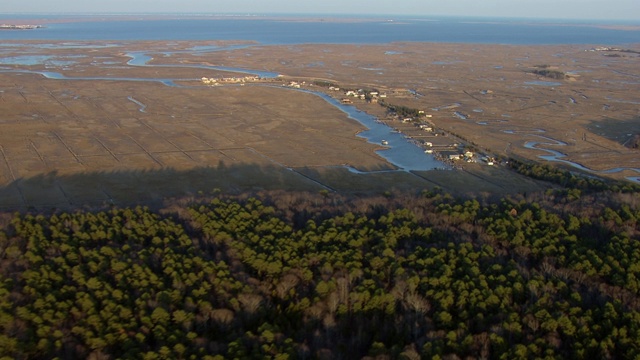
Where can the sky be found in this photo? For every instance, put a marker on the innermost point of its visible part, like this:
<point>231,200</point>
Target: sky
<point>556,9</point>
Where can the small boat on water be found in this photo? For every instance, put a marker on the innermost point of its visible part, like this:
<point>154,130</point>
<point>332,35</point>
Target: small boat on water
<point>384,142</point>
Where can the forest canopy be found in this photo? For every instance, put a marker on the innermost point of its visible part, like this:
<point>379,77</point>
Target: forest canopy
<point>284,275</point>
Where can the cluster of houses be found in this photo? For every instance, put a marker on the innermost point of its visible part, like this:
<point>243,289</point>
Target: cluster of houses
<point>361,94</point>
<point>455,156</point>
<point>442,152</point>
<point>229,80</point>
<point>446,153</point>
<point>295,84</point>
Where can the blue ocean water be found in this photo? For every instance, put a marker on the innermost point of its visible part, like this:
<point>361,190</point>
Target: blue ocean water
<point>291,31</point>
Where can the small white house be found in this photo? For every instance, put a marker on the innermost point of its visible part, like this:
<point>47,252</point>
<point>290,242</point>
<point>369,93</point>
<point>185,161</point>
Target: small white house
<point>451,155</point>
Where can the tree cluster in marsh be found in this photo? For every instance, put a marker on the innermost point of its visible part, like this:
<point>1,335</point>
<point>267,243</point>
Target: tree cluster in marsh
<point>286,275</point>
<point>569,181</point>
<point>543,70</point>
<point>400,110</point>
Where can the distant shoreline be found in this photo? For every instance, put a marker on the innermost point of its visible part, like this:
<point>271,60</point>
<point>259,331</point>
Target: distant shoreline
<point>39,19</point>
<point>19,27</point>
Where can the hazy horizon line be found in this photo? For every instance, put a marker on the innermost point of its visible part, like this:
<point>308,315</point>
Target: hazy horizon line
<point>333,15</point>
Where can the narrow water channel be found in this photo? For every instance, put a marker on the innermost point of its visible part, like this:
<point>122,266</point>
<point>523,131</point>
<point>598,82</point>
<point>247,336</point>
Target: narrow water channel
<point>559,157</point>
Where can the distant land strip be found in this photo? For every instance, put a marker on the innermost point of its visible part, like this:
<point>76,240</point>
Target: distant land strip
<point>19,27</point>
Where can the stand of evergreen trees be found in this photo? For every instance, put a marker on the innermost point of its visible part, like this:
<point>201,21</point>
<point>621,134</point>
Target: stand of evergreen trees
<point>321,276</point>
